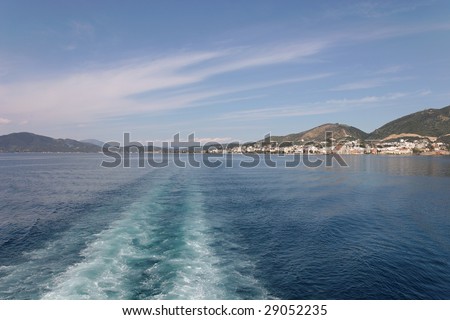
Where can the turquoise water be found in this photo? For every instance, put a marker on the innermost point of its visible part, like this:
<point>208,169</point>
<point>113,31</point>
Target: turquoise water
<point>378,229</point>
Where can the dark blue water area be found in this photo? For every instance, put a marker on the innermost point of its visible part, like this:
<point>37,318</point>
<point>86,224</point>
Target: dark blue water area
<point>343,233</point>
<point>377,229</point>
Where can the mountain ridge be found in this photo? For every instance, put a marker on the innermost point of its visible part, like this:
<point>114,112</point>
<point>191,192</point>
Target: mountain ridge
<point>95,142</point>
<point>427,123</point>
<point>340,131</point>
<point>30,142</point>
<point>431,124</point>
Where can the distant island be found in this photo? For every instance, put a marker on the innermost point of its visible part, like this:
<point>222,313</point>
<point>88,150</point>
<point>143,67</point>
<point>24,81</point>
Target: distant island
<point>425,132</point>
<point>30,142</point>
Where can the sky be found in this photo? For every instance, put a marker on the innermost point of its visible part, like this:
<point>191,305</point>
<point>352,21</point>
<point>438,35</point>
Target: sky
<point>223,70</point>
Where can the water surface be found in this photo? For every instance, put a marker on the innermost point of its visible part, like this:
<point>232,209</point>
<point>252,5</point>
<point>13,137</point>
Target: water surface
<point>378,229</point>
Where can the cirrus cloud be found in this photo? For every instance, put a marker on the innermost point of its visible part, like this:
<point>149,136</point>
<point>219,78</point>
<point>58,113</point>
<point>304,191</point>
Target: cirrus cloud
<point>4,121</point>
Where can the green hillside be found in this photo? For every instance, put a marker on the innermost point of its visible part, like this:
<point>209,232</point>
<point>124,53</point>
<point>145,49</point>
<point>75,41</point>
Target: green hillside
<point>430,122</point>
<point>340,131</point>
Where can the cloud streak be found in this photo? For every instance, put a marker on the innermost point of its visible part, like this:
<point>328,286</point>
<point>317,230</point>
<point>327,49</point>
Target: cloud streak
<point>4,121</point>
<point>374,9</point>
<point>368,83</point>
<point>391,69</point>
<point>187,80</point>
<point>316,108</point>
<point>111,91</point>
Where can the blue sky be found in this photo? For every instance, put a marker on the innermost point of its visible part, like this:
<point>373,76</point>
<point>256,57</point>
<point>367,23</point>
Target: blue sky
<point>226,70</point>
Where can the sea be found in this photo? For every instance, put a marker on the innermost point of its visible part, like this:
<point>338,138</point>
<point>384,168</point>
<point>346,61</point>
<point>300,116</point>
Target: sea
<point>378,228</point>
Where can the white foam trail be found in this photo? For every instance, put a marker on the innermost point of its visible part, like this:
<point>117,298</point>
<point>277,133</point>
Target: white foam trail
<point>178,261</point>
<point>101,275</point>
<point>197,275</point>
<point>201,274</point>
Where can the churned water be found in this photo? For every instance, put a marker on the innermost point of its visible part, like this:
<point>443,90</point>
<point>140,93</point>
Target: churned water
<point>70,229</point>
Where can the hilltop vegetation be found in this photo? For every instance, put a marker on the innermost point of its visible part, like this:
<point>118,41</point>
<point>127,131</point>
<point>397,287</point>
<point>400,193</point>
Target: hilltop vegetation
<point>426,123</point>
<point>340,131</point>
<point>430,122</point>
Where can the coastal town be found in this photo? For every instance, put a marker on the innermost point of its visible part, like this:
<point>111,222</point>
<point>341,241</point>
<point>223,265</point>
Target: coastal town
<point>423,146</point>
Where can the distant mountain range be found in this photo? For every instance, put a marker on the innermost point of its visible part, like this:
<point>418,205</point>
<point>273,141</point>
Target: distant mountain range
<point>340,131</point>
<point>430,123</point>
<point>30,142</point>
<point>433,123</point>
<point>95,142</point>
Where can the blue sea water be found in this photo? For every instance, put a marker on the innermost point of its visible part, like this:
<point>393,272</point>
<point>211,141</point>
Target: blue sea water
<point>70,229</point>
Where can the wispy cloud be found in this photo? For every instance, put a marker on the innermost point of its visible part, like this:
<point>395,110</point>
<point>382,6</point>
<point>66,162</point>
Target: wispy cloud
<point>278,112</point>
<point>99,93</point>
<point>69,47</point>
<point>368,83</point>
<point>425,93</point>
<point>79,32</point>
<point>375,9</point>
<point>275,54</point>
<point>391,69</point>
<point>367,99</point>
<point>365,84</point>
<point>128,87</point>
<point>227,100</point>
<point>83,95</point>
<point>82,29</point>
<point>202,98</point>
<point>4,121</point>
<point>316,108</point>
<point>389,32</point>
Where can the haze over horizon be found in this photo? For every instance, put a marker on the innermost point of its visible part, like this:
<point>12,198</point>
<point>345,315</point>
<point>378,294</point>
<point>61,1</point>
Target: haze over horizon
<point>224,70</point>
